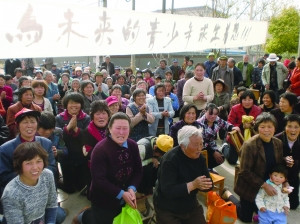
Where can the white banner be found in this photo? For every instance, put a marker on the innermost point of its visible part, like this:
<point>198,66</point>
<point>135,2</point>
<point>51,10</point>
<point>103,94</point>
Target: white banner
<point>42,29</point>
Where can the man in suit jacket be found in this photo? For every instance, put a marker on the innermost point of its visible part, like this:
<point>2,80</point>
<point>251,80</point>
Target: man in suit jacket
<point>108,66</point>
<point>236,72</point>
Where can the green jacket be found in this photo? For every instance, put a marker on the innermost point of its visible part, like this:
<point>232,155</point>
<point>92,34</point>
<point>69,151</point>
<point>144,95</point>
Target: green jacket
<point>250,68</point>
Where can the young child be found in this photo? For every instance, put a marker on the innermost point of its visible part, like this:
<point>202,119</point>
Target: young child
<point>273,208</point>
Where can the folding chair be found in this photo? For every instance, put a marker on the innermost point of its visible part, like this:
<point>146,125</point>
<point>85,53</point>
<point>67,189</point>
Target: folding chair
<point>218,180</point>
<point>237,140</point>
<point>146,209</point>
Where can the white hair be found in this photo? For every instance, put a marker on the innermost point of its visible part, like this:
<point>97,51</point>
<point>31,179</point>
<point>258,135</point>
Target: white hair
<point>186,132</point>
<point>46,73</point>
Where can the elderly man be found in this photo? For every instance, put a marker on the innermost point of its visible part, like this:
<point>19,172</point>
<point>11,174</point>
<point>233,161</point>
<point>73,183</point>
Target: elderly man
<point>237,74</point>
<point>223,72</point>
<point>273,75</point>
<point>108,66</point>
<point>175,68</point>
<point>52,93</point>
<point>182,173</point>
<point>246,69</point>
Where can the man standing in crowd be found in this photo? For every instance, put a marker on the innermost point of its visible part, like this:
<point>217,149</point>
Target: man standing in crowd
<point>108,66</point>
<point>175,68</point>
<point>273,75</point>
<point>246,69</point>
<point>162,69</point>
<point>209,64</point>
<point>223,72</point>
<point>237,74</point>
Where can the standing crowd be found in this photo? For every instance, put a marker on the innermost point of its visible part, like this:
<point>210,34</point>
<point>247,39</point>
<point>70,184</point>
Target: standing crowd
<point>115,138</point>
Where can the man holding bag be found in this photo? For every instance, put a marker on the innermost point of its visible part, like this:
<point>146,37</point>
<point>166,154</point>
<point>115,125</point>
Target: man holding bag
<point>181,175</point>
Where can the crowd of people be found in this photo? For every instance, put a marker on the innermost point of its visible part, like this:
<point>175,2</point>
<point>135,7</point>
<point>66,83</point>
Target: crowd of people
<point>115,138</point>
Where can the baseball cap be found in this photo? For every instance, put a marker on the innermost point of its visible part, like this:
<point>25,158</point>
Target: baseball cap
<point>26,112</point>
<point>164,142</point>
<point>111,100</point>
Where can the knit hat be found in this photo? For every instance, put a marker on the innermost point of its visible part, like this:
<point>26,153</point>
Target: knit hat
<point>164,142</point>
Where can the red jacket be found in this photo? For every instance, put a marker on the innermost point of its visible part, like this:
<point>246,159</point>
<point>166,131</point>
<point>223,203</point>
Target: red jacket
<point>237,111</point>
<point>295,81</point>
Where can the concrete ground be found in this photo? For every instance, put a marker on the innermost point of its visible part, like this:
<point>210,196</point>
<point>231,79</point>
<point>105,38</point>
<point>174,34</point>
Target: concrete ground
<point>76,202</point>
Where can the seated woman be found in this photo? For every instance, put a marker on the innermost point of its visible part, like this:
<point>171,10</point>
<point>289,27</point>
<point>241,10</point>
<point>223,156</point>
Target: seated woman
<point>211,124</point>
<point>25,100</point>
<point>140,115</point>
<point>73,120</point>
<point>162,110</point>
<point>113,104</point>
<point>116,170</point>
<point>187,116</point>
<point>31,196</point>
<point>269,101</point>
<point>245,107</point>
<point>287,105</point>
<point>75,87</point>
<point>87,90</point>
<point>116,90</point>
<point>291,154</point>
<point>39,90</point>
<point>221,98</point>
<point>6,93</point>
<point>259,155</point>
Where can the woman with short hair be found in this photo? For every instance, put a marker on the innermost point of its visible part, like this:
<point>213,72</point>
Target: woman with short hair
<point>287,104</point>
<point>31,196</point>
<point>162,109</point>
<point>87,90</point>
<point>140,115</point>
<point>269,101</point>
<point>39,90</point>
<point>73,120</point>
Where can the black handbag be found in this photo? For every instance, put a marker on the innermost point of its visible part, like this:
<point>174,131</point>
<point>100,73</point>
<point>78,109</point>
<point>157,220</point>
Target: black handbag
<point>286,84</point>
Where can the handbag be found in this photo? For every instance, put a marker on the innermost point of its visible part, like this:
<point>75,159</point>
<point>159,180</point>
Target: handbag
<point>128,215</point>
<point>286,83</point>
<point>219,211</point>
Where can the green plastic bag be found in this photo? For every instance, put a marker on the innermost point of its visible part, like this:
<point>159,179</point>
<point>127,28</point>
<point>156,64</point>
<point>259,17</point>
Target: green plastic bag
<point>128,216</point>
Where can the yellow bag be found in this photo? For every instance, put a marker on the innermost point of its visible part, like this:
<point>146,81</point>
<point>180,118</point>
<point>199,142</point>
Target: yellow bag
<point>219,211</point>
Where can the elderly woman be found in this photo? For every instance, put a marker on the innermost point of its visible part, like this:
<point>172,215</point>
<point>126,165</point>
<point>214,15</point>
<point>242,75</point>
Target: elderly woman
<point>39,90</point>
<point>30,198</point>
<point>211,124</point>
<point>75,87</point>
<point>245,107</point>
<point>87,89</point>
<point>64,84</point>
<point>52,92</point>
<point>221,98</point>
<point>73,120</point>
<point>187,116</point>
<point>259,155</point>
<point>116,90</point>
<point>27,121</point>
<point>25,99</point>
<point>199,89</point>
<point>291,154</point>
<point>182,173</point>
<point>269,101</point>
<point>287,104</point>
<point>116,170</point>
<point>162,109</point>
<point>140,115</point>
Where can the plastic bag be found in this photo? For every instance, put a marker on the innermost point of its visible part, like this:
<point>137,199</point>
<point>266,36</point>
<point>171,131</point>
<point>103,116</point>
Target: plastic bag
<point>219,211</point>
<point>128,216</point>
